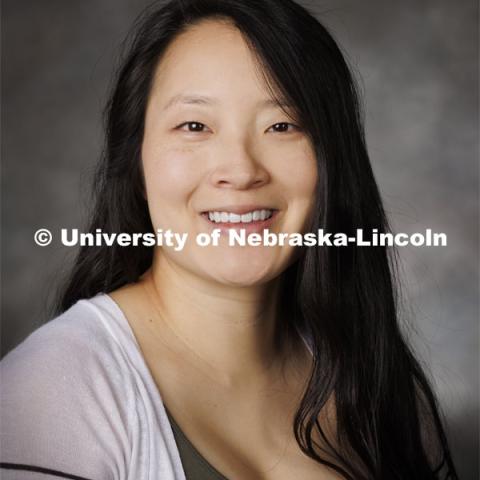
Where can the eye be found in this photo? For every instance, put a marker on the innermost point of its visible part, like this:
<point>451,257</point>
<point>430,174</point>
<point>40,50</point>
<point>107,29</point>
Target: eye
<point>191,127</point>
<point>283,127</point>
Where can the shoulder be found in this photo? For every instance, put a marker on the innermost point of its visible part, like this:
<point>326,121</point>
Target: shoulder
<point>85,335</point>
<point>65,389</point>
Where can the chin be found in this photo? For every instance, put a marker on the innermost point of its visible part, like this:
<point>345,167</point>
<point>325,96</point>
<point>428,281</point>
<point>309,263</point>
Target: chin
<point>246,280</point>
<point>245,275</point>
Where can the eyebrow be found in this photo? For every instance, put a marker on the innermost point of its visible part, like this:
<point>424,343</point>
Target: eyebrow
<point>209,101</point>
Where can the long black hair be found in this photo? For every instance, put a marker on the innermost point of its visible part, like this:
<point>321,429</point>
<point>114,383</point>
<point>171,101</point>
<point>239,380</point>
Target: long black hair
<point>388,422</point>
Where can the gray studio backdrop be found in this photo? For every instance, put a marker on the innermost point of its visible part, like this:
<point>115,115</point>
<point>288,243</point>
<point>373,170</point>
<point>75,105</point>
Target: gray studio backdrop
<point>418,63</point>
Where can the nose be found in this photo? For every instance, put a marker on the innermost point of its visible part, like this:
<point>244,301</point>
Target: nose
<point>239,168</point>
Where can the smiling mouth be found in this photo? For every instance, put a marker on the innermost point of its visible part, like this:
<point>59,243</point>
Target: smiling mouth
<point>254,217</point>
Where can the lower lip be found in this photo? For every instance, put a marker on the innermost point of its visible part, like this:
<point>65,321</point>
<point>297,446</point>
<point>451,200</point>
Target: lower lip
<point>256,226</point>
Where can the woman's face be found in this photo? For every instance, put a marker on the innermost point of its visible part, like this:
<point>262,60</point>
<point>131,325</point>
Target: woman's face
<point>215,142</point>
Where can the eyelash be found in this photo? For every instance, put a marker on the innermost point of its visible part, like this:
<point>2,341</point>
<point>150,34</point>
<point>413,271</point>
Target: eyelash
<point>178,127</point>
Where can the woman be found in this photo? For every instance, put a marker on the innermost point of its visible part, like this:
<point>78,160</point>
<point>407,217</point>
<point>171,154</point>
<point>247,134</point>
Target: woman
<point>226,361</point>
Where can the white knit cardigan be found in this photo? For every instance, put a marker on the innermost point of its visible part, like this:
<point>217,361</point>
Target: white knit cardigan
<point>78,402</point>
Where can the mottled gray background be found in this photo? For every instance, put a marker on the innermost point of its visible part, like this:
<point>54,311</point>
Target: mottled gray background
<point>418,62</point>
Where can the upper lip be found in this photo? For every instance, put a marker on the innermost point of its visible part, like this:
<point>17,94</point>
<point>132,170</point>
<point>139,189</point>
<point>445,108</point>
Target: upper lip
<point>238,209</point>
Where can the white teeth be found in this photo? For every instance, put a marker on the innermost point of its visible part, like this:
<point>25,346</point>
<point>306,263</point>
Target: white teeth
<point>226,217</point>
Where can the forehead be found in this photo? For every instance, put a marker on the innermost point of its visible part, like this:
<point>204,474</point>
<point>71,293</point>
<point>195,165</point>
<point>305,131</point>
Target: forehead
<point>211,56</point>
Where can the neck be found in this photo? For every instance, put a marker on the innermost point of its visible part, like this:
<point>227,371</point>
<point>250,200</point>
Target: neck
<point>228,331</point>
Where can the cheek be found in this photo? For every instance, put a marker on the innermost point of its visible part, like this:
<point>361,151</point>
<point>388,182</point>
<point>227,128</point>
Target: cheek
<point>170,179</point>
<point>297,173</point>
<point>169,172</point>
